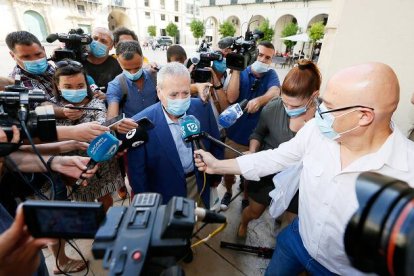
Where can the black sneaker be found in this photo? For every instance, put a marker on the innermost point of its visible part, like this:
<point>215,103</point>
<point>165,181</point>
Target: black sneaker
<point>225,201</point>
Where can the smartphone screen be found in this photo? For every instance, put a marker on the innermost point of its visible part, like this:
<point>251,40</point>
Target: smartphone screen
<point>114,120</point>
<point>63,219</point>
<point>145,123</point>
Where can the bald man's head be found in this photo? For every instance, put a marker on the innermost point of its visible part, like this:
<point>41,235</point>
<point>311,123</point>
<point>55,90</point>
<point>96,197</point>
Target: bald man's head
<point>372,84</point>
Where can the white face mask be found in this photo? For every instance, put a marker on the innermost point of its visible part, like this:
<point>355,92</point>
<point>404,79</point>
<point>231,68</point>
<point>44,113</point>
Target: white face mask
<point>260,67</point>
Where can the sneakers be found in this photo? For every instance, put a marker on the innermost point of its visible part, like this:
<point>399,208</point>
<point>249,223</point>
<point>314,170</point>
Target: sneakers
<point>225,201</point>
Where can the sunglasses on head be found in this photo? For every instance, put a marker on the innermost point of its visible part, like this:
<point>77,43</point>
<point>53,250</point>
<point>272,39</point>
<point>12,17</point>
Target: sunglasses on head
<point>64,63</point>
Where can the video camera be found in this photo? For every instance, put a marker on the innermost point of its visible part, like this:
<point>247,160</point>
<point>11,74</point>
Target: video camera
<point>379,237</point>
<point>202,60</point>
<point>244,50</point>
<point>146,238</point>
<point>75,41</point>
<point>16,102</point>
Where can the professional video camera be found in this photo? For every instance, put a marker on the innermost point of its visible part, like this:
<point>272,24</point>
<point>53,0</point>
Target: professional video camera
<point>75,41</point>
<point>202,60</point>
<point>16,102</point>
<point>379,237</point>
<point>145,238</point>
<point>244,50</point>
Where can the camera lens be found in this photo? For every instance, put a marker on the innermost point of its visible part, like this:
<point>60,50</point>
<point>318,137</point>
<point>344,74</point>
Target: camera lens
<point>380,235</point>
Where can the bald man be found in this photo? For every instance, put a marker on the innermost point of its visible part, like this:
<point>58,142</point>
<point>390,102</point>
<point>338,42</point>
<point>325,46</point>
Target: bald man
<point>352,133</point>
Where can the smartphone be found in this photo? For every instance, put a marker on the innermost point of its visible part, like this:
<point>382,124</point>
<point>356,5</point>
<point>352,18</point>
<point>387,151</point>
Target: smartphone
<point>114,120</point>
<point>63,219</point>
<point>84,108</point>
<point>145,123</point>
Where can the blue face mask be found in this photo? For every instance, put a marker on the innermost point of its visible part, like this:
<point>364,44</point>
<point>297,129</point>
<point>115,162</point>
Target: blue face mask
<point>74,95</point>
<point>178,107</point>
<point>134,76</point>
<point>220,66</point>
<point>326,124</point>
<point>36,67</point>
<point>296,111</point>
<point>260,67</point>
<point>98,49</point>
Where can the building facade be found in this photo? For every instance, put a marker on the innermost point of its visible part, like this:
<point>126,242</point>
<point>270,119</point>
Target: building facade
<point>251,13</point>
<point>43,17</point>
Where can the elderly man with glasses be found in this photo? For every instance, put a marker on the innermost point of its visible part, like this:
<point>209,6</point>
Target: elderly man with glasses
<point>352,133</point>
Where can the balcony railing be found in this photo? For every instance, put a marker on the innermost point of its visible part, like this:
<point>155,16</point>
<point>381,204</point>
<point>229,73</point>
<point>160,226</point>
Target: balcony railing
<point>36,1</point>
<point>117,3</point>
<point>212,3</point>
<point>91,1</point>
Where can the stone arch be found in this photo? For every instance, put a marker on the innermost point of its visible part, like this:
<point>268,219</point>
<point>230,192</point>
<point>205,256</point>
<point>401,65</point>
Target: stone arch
<point>320,17</point>
<point>280,24</point>
<point>236,22</point>
<point>35,23</point>
<point>255,21</point>
<point>118,18</point>
<point>211,34</point>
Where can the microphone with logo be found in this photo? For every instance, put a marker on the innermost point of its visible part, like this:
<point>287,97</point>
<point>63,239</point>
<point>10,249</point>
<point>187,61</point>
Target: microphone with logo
<point>191,130</point>
<point>229,116</point>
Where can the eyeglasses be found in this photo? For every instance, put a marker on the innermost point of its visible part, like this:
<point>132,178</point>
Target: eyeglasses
<point>255,85</point>
<point>67,62</point>
<point>319,102</point>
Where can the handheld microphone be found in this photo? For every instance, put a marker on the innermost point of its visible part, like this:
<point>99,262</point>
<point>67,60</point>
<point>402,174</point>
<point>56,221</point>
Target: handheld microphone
<point>134,138</point>
<point>229,116</point>
<point>190,130</point>
<point>208,216</point>
<point>195,59</point>
<point>102,148</point>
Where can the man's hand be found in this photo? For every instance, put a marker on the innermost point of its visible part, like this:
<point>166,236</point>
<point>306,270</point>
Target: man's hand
<point>16,135</point>
<point>204,161</point>
<point>203,90</point>
<point>253,106</point>
<point>87,131</point>
<point>19,252</point>
<point>72,114</point>
<point>100,95</point>
<point>152,67</point>
<point>72,166</point>
<point>72,145</point>
<point>125,126</point>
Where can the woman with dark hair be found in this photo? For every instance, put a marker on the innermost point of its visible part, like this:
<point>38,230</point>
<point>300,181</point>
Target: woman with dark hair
<point>279,121</point>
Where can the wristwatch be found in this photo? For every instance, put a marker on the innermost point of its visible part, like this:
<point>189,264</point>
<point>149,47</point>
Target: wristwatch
<point>218,87</point>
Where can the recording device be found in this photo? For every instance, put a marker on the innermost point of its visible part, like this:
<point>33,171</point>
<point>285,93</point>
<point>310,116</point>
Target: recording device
<point>63,219</point>
<point>135,137</point>
<point>84,108</point>
<point>379,237</point>
<point>113,121</point>
<point>190,130</point>
<point>244,50</point>
<point>147,237</point>
<point>230,115</point>
<point>75,42</point>
<point>202,60</point>
<point>17,106</point>
<point>145,123</point>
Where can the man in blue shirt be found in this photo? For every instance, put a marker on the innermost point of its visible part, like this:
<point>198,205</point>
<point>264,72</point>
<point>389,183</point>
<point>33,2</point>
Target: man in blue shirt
<point>258,83</point>
<point>134,89</point>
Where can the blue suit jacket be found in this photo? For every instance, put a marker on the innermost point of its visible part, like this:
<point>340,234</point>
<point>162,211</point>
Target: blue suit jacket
<point>156,166</point>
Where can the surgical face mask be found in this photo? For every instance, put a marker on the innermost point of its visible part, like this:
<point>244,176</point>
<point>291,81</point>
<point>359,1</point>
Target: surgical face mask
<point>296,111</point>
<point>74,95</point>
<point>134,76</point>
<point>98,49</point>
<point>260,67</point>
<point>326,124</point>
<point>220,66</point>
<point>178,107</point>
<point>36,67</point>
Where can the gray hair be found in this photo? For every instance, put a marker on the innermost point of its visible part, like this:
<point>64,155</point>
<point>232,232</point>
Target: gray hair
<point>171,69</point>
<point>104,31</point>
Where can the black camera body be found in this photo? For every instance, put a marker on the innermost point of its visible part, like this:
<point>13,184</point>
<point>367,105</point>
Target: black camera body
<point>201,61</point>
<point>244,51</point>
<point>16,102</point>
<point>147,237</point>
<point>75,42</point>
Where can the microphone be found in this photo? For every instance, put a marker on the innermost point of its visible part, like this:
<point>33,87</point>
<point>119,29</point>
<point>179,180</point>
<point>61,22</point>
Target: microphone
<point>208,216</point>
<point>195,59</point>
<point>190,130</point>
<point>52,38</point>
<point>134,138</point>
<point>102,148</point>
<point>229,116</point>
<point>226,42</point>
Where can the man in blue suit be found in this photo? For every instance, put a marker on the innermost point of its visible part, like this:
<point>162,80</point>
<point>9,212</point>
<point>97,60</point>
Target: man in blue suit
<point>165,163</point>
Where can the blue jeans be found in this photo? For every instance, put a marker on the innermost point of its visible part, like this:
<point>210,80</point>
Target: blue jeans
<point>291,257</point>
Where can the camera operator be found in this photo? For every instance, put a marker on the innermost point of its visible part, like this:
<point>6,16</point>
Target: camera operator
<point>101,66</point>
<point>352,132</point>
<point>258,83</point>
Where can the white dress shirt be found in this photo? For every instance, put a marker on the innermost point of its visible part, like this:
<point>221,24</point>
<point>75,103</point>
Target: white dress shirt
<point>327,193</point>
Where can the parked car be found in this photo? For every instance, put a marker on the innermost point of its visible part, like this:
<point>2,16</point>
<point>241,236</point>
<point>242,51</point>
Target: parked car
<point>162,42</point>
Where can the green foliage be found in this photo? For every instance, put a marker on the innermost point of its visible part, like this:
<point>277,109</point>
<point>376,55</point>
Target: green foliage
<point>267,31</point>
<point>197,28</point>
<point>316,31</point>
<point>152,30</point>
<point>172,29</point>
<point>290,29</point>
<point>227,29</point>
